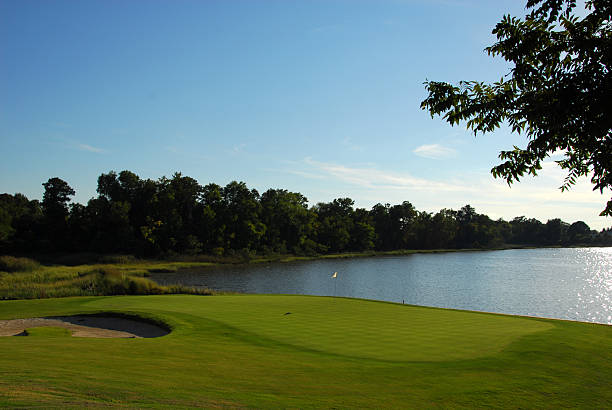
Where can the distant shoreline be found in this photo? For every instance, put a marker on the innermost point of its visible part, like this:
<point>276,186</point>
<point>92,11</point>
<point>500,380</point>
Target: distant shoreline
<point>402,252</point>
<point>81,258</point>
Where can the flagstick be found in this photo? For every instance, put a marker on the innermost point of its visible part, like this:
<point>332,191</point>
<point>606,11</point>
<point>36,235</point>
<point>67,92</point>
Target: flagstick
<point>334,277</point>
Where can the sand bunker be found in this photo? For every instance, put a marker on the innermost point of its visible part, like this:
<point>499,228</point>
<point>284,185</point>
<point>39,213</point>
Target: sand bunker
<point>86,326</point>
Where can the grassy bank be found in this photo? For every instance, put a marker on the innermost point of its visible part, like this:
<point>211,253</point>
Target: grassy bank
<point>299,351</point>
<point>24,278</point>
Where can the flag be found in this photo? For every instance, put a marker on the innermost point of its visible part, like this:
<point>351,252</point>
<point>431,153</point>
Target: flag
<point>335,275</point>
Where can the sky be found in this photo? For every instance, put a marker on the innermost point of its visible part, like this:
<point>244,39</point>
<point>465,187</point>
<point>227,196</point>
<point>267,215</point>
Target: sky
<point>317,97</point>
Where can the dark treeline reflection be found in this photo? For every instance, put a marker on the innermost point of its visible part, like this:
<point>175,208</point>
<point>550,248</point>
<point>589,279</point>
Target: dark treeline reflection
<point>178,215</point>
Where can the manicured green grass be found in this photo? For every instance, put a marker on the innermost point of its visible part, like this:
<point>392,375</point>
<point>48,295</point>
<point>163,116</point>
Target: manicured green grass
<point>300,351</point>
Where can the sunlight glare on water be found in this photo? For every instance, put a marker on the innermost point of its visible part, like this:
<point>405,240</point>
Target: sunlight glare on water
<point>562,283</point>
<point>594,298</point>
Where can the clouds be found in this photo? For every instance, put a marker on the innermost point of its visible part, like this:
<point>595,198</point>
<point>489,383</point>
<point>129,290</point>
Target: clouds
<point>89,148</point>
<point>370,177</point>
<point>74,144</point>
<point>533,197</point>
<point>434,151</point>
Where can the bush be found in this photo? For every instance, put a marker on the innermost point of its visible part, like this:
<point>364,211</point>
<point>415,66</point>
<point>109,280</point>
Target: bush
<point>13,264</point>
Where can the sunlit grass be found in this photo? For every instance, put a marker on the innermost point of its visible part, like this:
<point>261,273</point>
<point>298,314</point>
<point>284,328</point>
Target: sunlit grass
<point>40,281</point>
<point>304,352</point>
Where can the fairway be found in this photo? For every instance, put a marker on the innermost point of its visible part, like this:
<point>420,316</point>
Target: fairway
<point>301,351</point>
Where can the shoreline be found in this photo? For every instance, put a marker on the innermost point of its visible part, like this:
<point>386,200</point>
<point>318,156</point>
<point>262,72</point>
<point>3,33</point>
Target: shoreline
<point>181,260</point>
<point>171,263</point>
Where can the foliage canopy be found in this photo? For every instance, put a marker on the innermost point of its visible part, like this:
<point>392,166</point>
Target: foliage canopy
<point>557,93</point>
<point>177,215</point>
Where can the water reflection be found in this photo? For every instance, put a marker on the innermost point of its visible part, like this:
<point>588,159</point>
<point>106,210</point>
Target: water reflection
<point>594,298</point>
<point>571,284</point>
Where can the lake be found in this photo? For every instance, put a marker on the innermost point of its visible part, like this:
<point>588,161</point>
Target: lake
<point>562,283</point>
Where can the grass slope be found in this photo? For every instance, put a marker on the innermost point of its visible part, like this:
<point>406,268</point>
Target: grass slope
<point>23,278</point>
<point>300,351</point>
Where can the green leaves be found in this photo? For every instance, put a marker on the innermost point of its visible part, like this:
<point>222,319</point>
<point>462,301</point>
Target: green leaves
<point>557,92</point>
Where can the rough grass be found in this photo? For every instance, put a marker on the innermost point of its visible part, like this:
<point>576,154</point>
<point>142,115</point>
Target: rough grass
<point>13,264</point>
<point>39,281</point>
<point>246,351</point>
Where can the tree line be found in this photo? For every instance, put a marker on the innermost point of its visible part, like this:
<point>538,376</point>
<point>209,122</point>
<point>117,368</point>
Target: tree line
<point>177,215</point>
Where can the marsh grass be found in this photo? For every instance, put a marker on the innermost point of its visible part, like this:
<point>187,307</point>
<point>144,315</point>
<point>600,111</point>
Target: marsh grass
<point>13,264</point>
<point>85,280</point>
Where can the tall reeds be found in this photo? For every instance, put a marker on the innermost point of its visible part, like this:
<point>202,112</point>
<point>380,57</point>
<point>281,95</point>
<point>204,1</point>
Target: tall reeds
<point>22,278</point>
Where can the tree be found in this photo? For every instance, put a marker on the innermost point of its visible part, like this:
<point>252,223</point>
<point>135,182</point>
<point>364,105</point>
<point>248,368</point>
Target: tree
<point>335,224</point>
<point>288,220</point>
<point>56,197</point>
<point>444,228</point>
<point>55,211</point>
<point>210,223</point>
<point>579,232</point>
<point>241,214</point>
<point>556,92</point>
<point>466,236</point>
<point>109,187</point>
<point>555,232</point>
<point>526,231</point>
<point>403,218</point>
<point>25,231</point>
<point>363,234</point>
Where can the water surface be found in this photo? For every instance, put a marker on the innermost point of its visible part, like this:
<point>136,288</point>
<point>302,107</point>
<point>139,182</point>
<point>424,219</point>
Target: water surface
<point>565,283</point>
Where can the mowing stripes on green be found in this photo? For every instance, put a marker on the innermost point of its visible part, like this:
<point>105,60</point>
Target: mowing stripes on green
<point>355,328</point>
<point>245,351</point>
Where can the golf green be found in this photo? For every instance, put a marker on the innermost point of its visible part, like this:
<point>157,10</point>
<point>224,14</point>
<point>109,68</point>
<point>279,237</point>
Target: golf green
<point>301,351</point>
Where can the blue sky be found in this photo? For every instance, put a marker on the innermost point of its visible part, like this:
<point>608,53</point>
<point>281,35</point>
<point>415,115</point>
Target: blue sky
<point>318,97</point>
